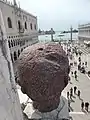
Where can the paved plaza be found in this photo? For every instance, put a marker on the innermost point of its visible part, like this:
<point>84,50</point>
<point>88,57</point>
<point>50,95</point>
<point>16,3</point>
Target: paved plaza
<point>82,84</point>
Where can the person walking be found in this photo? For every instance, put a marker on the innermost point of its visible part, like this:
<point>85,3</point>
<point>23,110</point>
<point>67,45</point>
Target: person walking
<point>82,105</point>
<point>69,79</point>
<point>72,73</point>
<point>79,59</point>
<point>76,53</point>
<point>82,64</point>
<point>86,106</point>
<point>75,88</point>
<point>71,93</point>
<point>69,105</point>
<point>75,76</point>
<point>86,64</point>
<point>79,66</point>
<point>79,93</point>
<point>75,72</point>
<point>68,95</point>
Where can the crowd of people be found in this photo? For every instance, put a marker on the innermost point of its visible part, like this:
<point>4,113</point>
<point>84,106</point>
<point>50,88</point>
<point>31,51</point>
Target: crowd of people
<point>70,95</point>
<point>80,67</point>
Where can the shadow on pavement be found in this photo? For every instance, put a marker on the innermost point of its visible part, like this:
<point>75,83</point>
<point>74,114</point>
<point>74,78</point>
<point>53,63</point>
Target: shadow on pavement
<point>71,100</point>
<point>88,111</point>
<point>84,111</point>
<point>71,109</point>
<point>70,118</point>
<point>77,80</point>
<point>70,82</point>
<point>81,99</point>
<point>73,96</point>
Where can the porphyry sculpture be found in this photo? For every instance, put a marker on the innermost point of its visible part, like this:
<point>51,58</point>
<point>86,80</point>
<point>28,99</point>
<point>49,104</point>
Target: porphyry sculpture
<point>43,73</point>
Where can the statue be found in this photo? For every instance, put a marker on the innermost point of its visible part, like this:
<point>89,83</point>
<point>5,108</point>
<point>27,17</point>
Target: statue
<point>43,74</point>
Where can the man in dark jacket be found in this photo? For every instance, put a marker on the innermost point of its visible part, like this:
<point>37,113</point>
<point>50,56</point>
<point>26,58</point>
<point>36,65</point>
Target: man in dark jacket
<point>86,106</point>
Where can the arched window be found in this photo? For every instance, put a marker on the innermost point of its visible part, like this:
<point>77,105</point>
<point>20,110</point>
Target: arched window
<point>18,53</point>
<point>21,49</point>
<point>18,42</point>
<point>9,22</point>
<point>11,57</point>
<point>31,26</point>
<point>14,42</point>
<point>15,56</point>
<point>9,44</point>
<point>25,25</point>
<point>35,27</point>
<point>19,24</point>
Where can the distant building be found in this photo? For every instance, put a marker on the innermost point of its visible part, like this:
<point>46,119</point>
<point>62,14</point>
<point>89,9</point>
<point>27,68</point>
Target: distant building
<point>21,27</point>
<point>84,33</point>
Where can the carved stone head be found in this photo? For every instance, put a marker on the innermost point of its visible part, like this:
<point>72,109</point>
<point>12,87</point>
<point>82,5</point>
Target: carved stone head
<point>43,73</point>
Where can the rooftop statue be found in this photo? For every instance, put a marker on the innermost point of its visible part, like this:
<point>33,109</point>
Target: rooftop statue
<point>43,74</point>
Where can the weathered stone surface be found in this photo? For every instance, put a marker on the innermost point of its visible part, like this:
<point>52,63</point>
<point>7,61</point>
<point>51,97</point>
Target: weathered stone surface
<point>43,74</point>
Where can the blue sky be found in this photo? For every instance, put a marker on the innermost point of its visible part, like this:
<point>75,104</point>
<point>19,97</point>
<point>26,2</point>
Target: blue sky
<point>59,14</point>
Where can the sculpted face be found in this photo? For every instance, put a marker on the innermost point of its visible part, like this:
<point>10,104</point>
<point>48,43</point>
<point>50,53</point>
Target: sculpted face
<point>43,73</point>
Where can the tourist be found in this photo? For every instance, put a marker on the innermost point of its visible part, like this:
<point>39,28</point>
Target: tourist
<point>69,105</point>
<point>82,64</point>
<point>80,53</point>
<point>79,59</point>
<point>75,76</point>
<point>86,64</point>
<point>75,88</point>
<point>86,106</point>
<point>79,93</point>
<point>83,70</point>
<point>78,67</point>
<point>75,63</point>
<point>68,95</point>
<point>72,73</point>
<point>82,105</point>
<point>71,64</point>
<point>75,72</point>
<point>76,53</point>
<point>71,92</point>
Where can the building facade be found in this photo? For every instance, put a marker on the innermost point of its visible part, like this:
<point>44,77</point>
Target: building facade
<point>84,33</point>
<point>21,27</point>
<point>10,108</point>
